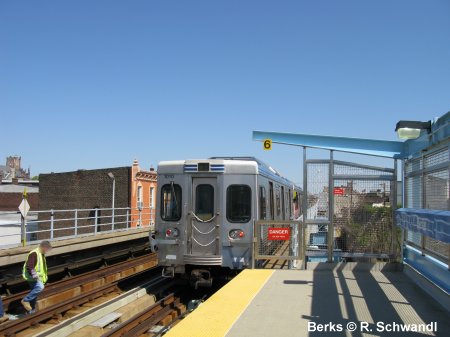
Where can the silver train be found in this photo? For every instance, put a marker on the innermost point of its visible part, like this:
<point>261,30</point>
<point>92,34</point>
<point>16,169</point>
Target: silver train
<point>206,210</point>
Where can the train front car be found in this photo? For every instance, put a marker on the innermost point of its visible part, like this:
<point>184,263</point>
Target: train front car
<point>205,216</point>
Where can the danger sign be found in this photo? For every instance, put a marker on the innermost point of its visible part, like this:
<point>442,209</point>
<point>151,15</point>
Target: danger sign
<point>339,191</point>
<point>279,234</point>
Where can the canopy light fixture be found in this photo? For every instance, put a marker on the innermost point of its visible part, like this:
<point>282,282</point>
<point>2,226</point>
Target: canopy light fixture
<point>411,129</point>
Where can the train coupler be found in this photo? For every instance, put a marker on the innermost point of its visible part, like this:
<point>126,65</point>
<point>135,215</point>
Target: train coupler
<point>168,272</point>
<point>201,278</point>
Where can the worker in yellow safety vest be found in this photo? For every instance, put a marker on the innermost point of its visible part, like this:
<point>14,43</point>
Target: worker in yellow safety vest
<point>35,272</point>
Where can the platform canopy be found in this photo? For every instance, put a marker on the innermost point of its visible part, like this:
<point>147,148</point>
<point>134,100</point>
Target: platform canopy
<point>382,148</point>
<point>440,132</point>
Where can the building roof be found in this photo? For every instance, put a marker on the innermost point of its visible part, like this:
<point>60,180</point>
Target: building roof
<point>11,188</point>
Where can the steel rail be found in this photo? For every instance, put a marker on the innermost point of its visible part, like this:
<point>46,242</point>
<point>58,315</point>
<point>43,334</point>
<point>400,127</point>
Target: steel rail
<point>64,286</point>
<point>13,327</point>
<point>143,321</point>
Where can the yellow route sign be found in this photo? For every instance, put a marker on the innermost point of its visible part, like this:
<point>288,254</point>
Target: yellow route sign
<point>267,144</point>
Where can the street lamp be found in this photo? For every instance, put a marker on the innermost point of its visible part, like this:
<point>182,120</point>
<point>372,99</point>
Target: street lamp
<point>111,175</point>
<point>411,129</point>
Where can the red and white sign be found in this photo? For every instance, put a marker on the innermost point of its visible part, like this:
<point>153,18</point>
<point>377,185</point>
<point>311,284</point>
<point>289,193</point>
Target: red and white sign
<point>339,191</point>
<point>279,234</point>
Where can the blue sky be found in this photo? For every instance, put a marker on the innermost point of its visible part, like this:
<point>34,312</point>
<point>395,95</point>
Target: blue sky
<point>90,84</point>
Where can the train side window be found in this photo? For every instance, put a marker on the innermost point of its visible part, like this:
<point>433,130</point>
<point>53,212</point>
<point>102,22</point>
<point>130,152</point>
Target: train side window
<point>262,203</point>
<point>290,204</point>
<point>272,209</point>
<point>287,205</point>
<point>171,202</point>
<point>278,201</point>
<point>239,203</point>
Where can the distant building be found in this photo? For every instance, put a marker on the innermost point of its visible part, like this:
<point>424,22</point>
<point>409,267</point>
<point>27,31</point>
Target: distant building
<point>11,194</point>
<point>90,193</point>
<point>13,169</point>
<point>143,195</point>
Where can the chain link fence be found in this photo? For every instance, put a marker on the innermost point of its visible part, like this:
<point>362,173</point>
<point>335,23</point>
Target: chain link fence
<point>358,222</point>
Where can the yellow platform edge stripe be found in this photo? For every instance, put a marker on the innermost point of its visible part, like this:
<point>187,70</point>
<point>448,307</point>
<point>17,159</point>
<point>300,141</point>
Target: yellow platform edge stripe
<point>216,316</point>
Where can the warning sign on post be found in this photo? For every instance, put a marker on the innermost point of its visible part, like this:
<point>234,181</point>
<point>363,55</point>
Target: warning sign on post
<point>279,234</point>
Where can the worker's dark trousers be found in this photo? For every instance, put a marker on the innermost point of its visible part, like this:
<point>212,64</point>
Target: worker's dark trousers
<point>2,312</point>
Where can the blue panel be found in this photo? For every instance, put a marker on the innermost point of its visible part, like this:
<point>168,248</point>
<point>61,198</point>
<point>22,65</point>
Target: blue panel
<point>434,270</point>
<point>383,148</point>
<point>431,223</point>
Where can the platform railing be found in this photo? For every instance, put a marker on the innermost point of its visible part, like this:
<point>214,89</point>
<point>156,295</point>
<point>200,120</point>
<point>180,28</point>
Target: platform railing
<point>70,223</point>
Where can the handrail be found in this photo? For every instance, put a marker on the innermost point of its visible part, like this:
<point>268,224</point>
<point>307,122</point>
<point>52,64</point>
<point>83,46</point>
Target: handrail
<point>70,223</point>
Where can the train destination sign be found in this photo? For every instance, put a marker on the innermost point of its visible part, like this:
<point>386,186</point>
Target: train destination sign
<point>279,234</point>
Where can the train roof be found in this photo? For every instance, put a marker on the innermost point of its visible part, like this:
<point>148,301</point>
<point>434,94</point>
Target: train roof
<point>226,165</point>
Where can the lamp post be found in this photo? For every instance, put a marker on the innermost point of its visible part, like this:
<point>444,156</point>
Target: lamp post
<point>111,175</point>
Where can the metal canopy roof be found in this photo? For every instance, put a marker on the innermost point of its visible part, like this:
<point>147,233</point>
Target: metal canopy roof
<point>440,132</point>
<point>382,148</point>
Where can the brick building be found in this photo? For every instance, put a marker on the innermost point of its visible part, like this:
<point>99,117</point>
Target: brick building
<point>90,193</point>
<point>143,196</point>
<point>11,192</point>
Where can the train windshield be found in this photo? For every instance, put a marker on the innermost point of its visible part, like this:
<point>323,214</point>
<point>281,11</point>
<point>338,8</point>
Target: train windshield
<point>239,203</point>
<point>171,202</point>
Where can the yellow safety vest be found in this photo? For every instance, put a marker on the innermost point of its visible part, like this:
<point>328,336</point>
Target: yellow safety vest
<point>41,267</point>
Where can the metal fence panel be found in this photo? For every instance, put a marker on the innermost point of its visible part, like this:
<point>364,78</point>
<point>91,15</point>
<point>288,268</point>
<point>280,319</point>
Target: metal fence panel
<point>280,240</point>
<point>427,186</point>
<point>362,219</point>
<point>318,196</point>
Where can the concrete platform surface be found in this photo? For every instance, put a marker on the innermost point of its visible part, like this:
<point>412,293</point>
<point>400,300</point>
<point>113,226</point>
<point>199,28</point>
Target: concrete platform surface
<point>286,302</point>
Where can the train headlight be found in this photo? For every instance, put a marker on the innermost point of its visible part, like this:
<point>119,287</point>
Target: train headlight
<point>172,232</point>
<point>236,234</point>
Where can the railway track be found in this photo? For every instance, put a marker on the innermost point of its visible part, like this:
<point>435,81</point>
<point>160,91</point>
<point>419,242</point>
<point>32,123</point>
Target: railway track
<point>162,313</point>
<point>65,296</point>
<point>76,285</point>
<point>54,312</point>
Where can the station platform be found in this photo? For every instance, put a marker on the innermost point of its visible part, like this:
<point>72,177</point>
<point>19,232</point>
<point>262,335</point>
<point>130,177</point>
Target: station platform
<point>15,255</point>
<point>263,302</point>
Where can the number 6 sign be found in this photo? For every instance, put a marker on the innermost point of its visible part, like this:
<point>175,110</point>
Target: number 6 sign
<point>267,144</point>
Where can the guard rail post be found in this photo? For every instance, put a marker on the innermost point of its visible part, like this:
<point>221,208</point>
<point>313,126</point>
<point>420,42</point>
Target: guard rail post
<point>96,221</point>
<point>76,222</point>
<point>52,218</point>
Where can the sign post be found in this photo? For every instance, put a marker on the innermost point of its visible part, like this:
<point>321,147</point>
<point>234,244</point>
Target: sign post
<point>24,208</point>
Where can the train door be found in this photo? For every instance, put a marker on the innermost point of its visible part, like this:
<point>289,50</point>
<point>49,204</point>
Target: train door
<point>204,228</point>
